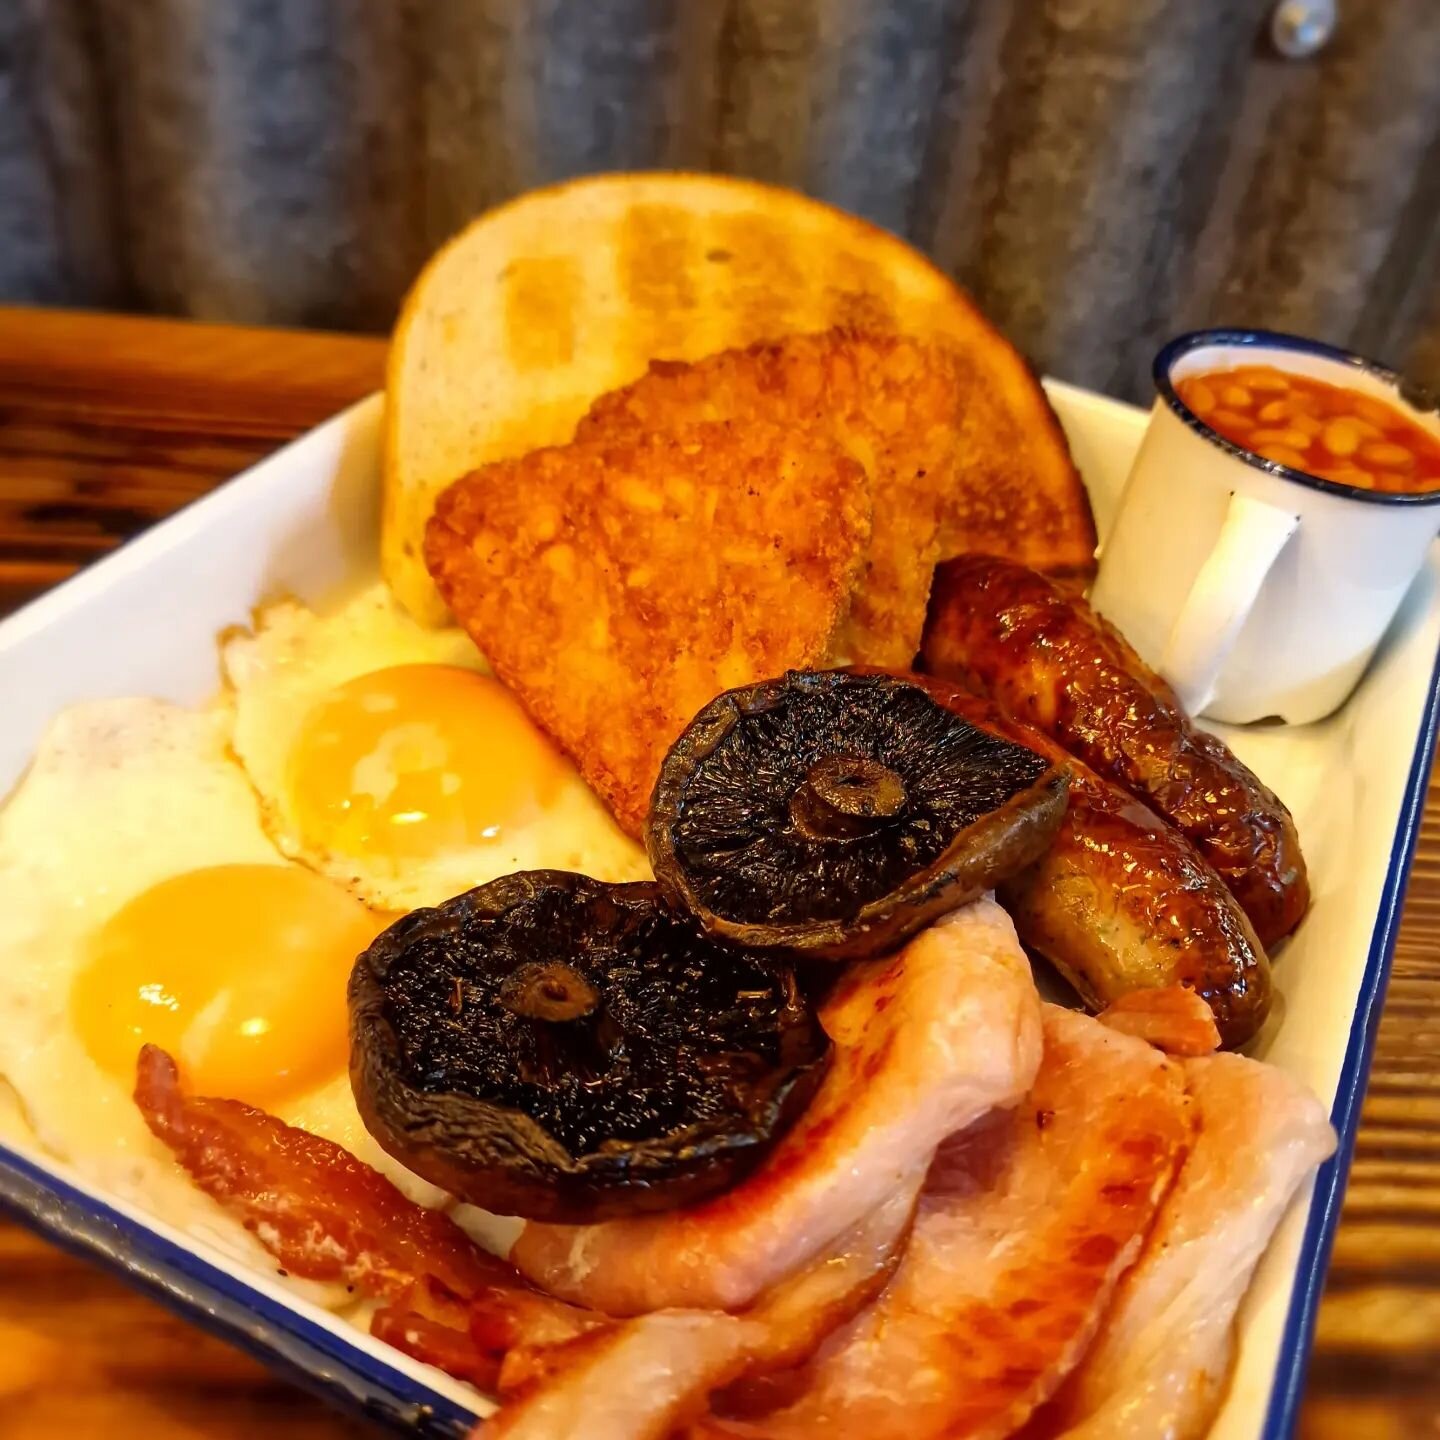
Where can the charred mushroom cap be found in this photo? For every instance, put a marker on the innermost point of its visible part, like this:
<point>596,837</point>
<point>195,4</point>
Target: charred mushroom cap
<point>838,812</point>
<point>553,1047</point>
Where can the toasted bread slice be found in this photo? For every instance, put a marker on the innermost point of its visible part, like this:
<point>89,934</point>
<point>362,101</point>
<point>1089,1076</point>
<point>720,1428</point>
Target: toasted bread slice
<point>617,587</point>
<point>542,305</point>
<point>893,403</point>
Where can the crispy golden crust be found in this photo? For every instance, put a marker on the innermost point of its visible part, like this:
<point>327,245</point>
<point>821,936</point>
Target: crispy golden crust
<point>893,403</point>
<point>618,585</point>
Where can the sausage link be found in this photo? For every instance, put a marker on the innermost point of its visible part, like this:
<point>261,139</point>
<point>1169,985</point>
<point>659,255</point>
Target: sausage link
<point>1122,902</point>
<point>1052,662</point>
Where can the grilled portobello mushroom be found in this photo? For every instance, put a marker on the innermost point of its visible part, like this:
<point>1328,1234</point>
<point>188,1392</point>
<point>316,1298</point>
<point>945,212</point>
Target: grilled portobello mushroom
<point>565,1050</point>
<point>836,813</point>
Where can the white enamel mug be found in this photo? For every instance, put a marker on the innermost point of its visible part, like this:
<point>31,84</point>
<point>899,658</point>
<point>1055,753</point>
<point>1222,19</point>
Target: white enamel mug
<point>1255,589</point>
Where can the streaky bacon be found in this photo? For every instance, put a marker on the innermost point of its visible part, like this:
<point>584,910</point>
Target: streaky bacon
<point>522,1325</point>
<point>646,1377</point>
<point>447,1347</point>
<point>433,1325</point>
<point>323,1214</point>
<point>1170,1017</point>
<point>926,1041</point>
<point>804,1310</point>
<point>1159,1367</point>
<point>639,1380</point>
<point>500,1339</point>
<point>1026,1223</point>
<point>326,1215</point>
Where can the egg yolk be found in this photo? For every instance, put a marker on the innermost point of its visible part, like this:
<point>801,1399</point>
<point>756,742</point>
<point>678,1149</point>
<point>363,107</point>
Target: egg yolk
<point>418,760</point>
<point>239,971</point>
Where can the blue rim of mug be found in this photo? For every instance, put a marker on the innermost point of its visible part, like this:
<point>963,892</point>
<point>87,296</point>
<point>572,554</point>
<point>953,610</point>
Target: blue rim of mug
<point>1182,345</point>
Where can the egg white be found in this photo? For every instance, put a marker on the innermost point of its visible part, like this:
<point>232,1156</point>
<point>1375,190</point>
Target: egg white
<point>121,795</point>
<point>293,659</point>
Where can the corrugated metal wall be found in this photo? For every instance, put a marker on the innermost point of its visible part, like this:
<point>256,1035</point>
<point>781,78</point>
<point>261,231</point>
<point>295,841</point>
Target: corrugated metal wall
<point>1099,172</point>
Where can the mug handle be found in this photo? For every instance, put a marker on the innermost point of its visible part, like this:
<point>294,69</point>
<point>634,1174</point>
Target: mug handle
<point>1222,597</point>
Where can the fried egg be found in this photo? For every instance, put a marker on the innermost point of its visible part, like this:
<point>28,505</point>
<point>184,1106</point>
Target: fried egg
<point>387,758</point>
<point>141,900</point>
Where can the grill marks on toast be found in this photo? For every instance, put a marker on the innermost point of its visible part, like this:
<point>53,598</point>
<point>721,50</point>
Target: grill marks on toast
<point>542,298</point>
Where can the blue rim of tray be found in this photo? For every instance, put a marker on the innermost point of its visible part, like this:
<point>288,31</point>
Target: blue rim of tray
<point>331,1367</point>
<point>1288,1390</point>
<point>322,1362</point>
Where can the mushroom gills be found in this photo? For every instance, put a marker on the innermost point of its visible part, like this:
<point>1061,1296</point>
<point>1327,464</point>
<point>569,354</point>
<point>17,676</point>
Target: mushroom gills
<point>837,812</point>
<point>557,1048</point>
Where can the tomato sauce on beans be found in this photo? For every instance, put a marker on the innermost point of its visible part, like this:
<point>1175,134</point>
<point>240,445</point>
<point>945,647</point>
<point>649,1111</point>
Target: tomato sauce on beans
<point>1324,430</point>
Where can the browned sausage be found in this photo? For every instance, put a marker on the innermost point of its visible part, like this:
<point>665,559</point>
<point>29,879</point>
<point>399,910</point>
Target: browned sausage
<point>1122,902</point>
<point>1051,661</point>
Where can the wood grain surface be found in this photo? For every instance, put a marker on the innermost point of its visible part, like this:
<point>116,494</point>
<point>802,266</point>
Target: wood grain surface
<point>107,424</point>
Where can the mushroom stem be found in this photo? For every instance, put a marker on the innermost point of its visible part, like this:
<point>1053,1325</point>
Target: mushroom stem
<point>843,796</point>
<point>550,990</point>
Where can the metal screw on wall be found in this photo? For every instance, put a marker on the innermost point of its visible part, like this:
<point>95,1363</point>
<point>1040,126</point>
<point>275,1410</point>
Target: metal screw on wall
<point>1300,28</point>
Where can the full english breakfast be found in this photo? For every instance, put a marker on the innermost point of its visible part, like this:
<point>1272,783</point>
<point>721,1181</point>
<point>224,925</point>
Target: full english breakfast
<point>722,940</point>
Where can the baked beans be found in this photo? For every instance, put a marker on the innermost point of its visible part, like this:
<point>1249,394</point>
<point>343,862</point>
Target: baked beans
<point>1324,430</point>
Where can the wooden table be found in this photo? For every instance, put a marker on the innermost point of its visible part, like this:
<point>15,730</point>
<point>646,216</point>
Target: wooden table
<point>106,424</point>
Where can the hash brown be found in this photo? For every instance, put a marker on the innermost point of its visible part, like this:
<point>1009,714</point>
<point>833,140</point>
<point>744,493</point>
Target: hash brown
<point>617,586</point>
<point>891,402</point>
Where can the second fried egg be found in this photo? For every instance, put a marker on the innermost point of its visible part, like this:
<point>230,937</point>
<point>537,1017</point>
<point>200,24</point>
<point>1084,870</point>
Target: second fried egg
<point>386,758</point>
<point>141,902</point>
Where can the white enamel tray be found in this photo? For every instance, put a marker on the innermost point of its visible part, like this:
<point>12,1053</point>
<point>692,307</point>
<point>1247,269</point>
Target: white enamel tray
<point>144,622</point>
